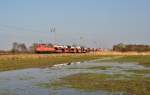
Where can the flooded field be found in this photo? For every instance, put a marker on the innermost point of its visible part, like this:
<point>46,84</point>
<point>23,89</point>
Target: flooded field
<point>77,78</point>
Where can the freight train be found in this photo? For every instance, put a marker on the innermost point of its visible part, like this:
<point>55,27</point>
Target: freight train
<point>49,48</point>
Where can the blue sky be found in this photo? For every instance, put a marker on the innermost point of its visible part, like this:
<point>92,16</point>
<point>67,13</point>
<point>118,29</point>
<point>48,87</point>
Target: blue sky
<point>100,23</point>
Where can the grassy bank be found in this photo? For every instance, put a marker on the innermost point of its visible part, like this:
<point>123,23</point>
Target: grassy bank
<point>134,85</point>
<point>22,61</point>
<point>131,82</point>
<point>141,59</point>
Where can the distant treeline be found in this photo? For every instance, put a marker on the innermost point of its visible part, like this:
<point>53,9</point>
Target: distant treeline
<point>21,48</point>
<point>131,47</point>
<point>18,48</point>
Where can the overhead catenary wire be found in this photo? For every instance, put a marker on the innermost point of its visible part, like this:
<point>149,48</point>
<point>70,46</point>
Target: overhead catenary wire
<point>12,27</point>
<point>16,29</point>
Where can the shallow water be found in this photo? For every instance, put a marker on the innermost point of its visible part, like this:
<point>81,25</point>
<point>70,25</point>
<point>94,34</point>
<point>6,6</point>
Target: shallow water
<point>24,82</point>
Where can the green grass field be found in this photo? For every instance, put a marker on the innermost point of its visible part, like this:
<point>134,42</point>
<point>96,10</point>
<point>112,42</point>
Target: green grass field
<point>141,59</point>
<point>135,84</point>
<point>22,61</point>
<point>13,62</point>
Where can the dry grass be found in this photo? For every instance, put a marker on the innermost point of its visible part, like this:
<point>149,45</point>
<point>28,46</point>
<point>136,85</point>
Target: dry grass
<point>21,61</point>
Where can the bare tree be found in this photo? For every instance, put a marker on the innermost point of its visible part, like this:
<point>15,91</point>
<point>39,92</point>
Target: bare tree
<point>17,47</point>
